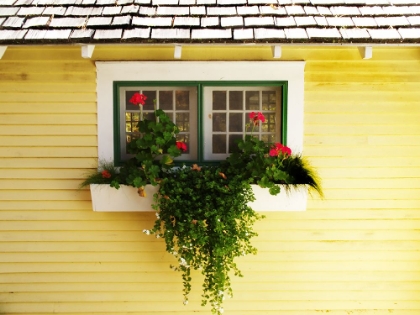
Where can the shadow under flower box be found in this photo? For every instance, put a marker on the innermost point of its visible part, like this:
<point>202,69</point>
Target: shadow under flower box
<point>126,199</point>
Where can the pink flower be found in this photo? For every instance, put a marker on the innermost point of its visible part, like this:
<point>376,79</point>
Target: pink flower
<point>256,118</point>
<point>181,145</point>
<point>278,149</point>
<point>138,99</point>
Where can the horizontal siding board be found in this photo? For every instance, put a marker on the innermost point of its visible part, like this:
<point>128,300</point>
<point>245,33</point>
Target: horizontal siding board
<point>52,87</point>
<point>32,130</point>
<point>51,97</point>
<point>48,163</point>
<point>48,119</point>
<point>270,225</point>
<point>57,108</point>
<point>48,66</point>
<point>62,151</point>
<point>51,77</point>
<point>265,247</point>
<point>48,141</point>
<point>274,267</point>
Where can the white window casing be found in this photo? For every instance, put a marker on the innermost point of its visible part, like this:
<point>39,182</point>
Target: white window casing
<point>108,72</point>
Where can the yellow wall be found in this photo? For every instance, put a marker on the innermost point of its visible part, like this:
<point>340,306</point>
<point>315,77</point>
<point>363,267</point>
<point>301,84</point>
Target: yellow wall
<point>356,252</point>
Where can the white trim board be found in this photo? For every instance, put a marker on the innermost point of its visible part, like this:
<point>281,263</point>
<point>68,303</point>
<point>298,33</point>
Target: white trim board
<point>108,72</point>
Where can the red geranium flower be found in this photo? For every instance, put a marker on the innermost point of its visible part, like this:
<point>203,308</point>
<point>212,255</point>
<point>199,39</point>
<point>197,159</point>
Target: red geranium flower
<point>181,145</point>
<point>256,117</point>
<point>278,149</point>
<point>138,99</point>
<point>106,174</point>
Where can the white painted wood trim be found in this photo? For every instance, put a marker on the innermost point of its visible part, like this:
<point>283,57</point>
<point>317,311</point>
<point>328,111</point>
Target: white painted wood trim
<point>366,52</point>
<point>125,199</point>
<point>2,51</point>
<point>87,51</point>
<point>293,199</point>
<point>108,72</point>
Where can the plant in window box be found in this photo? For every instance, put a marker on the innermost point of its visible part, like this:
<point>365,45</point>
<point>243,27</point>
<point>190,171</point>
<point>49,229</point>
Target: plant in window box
<point>154,148</point>
<point>270,165</point>
<point>206,222</point>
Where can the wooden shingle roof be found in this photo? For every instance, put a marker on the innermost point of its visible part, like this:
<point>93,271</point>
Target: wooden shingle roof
<point>209,21</point>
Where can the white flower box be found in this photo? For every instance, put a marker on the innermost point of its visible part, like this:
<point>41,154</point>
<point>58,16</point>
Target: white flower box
<point>292,199</point>
<point>126,199</point>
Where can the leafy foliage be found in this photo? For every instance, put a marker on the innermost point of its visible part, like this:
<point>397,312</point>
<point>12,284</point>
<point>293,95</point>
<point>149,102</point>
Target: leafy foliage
<point>206,223</point>
<point>255,162</point>
<point>153,150</point>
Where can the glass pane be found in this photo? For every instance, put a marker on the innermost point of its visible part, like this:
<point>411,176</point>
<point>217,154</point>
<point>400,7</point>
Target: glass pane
<point>236,99</point>
<point>219,100</point>
<point>166,100</point>
<point>183,122</point>
<point>135,116</point>
<point>269,100</point>
<point>252,100</point>
<point>219,143</point>
<point>128,105</point>
<point>268,138</point>
<point>182,99</point>
<point>151,96</point>
<point>127,127</point>
<point>149,116</point>
<point>270,123</point>
<point>219,122</point>
<point>235,122</point>
<point>233,142</point>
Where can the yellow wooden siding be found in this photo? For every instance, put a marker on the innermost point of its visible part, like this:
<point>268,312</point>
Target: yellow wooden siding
<point>356,252</point>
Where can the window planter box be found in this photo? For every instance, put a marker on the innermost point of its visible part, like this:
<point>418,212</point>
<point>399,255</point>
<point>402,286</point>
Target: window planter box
<point>294,199</point>
<point>126,199</point>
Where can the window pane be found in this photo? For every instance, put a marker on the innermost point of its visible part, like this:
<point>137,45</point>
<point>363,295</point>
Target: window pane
<point>236,99</point>
<point>252,100</point>
<point>182,99</point>
<point>235,122</point>
<point>151,95</point>
<point>270,138</point>
<point>128,105</point>
<point>219,122</point>
<point>270,123</point>
<point>269,100</point>
<point>183,122</point>
<point>219,143</point>
<point>166,100</point>
<point>219,100</point>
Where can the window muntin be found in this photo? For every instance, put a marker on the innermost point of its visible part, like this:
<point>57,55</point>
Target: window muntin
<point>224,112</point>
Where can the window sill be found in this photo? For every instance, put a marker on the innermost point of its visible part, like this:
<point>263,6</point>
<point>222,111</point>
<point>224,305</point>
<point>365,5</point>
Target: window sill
<point>126,199</point>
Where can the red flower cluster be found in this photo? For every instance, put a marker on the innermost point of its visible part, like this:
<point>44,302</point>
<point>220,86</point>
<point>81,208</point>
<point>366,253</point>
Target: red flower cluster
<point>256,118</point>
<point>138,99</point>
<point>106,174</point>
<point>181,145</point>
<point>278,149</point>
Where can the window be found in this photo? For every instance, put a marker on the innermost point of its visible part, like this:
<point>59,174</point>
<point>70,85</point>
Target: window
<point>209,101</point>
<point>224,112</point>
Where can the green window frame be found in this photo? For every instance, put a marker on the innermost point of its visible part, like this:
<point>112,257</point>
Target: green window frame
<point>205,110</point>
